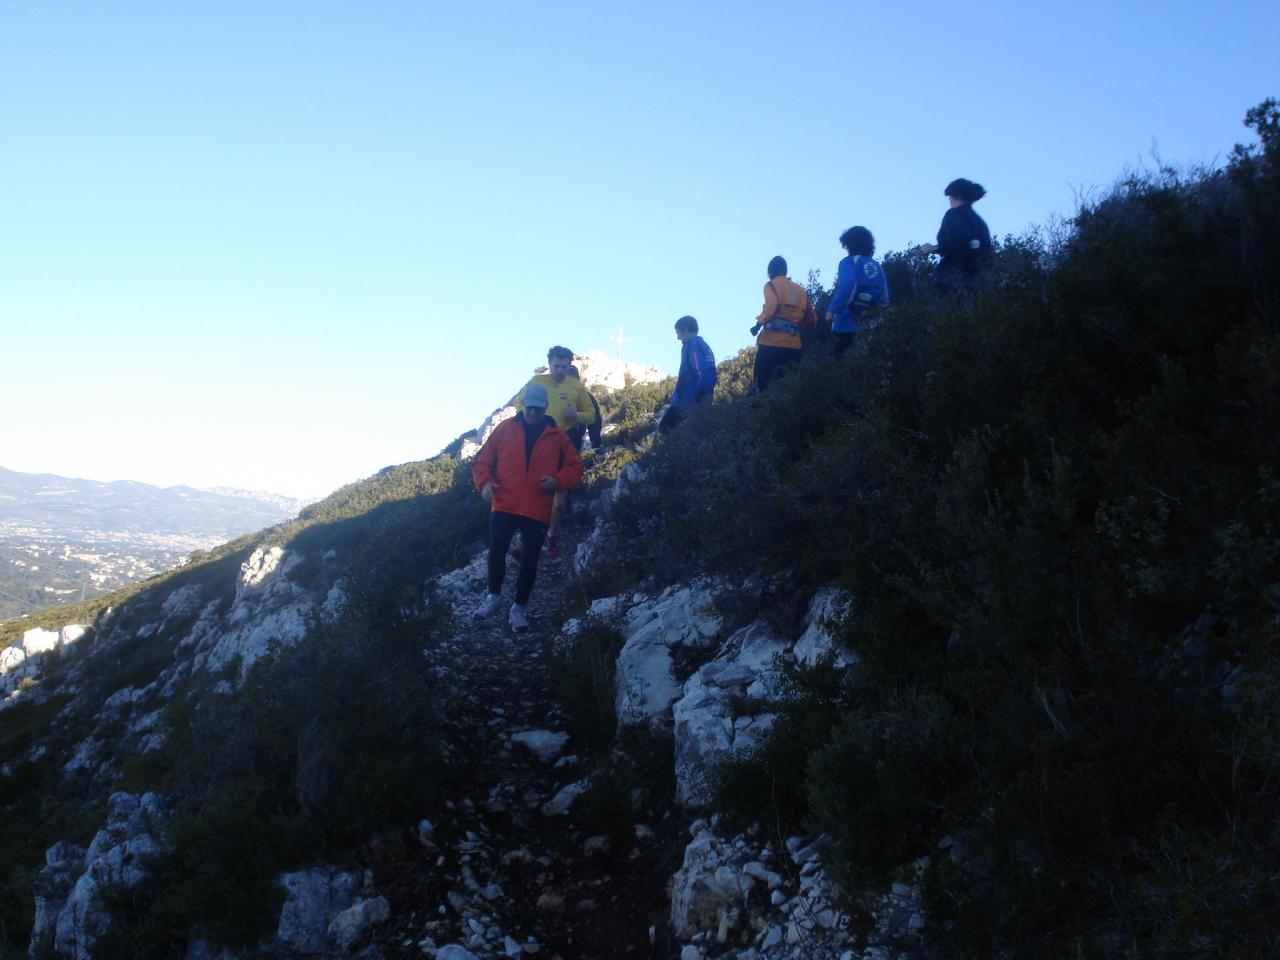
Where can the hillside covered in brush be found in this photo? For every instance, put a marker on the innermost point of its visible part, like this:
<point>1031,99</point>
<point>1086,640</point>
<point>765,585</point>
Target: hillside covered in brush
<point>961,645</point>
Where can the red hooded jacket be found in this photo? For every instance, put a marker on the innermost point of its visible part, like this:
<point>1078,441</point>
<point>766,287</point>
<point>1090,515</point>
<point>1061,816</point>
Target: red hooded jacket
<point>501,460</point>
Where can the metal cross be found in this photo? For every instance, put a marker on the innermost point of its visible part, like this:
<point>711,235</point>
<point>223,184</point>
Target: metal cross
<point>619,340</point>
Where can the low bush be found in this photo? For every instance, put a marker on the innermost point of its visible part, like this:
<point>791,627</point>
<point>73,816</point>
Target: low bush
<point>583,668</point>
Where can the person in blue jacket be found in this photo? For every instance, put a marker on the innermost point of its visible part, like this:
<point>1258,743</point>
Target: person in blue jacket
<point>861,287</point>
<point>964,242</point>
<point>697,378</point>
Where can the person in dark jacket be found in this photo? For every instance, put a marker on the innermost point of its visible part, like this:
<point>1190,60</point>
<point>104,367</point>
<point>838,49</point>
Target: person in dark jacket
<point>964,242</point>
<point>519,470</point>
<point>697,378</point>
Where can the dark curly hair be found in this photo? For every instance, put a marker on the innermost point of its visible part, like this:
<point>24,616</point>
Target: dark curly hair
<point>858,241</point>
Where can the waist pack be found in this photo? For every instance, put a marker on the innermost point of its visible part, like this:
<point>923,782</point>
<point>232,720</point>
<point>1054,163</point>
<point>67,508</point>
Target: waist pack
<point>782,326</point>
<point>862,299</point>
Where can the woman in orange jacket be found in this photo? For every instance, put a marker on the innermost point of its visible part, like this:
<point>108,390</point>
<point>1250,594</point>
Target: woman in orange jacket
<point>519,470</point>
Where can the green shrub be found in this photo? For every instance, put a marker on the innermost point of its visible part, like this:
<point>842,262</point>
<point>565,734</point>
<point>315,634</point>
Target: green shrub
<point>583,669</point>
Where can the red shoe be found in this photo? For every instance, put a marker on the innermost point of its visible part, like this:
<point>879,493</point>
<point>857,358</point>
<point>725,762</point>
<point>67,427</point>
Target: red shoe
<point>552,548</point>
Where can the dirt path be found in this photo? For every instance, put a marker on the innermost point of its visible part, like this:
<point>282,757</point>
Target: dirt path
<point>504,874</point>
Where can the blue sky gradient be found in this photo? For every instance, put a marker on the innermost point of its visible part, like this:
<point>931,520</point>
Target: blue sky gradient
<point>281,245</point>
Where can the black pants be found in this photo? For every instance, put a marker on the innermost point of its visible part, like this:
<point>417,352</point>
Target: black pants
<point>502,527</point>
<point>770,361</point>
<point>843,341</point>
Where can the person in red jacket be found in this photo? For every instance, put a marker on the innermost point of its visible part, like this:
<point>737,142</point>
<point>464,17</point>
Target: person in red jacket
<point>522,465</point>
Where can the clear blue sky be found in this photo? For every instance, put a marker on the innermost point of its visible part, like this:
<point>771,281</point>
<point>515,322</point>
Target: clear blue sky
<point>280,245</point>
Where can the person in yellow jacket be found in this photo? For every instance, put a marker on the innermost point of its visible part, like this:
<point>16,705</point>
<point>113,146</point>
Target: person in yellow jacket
<point>569,405</point>
<point>786,312</point>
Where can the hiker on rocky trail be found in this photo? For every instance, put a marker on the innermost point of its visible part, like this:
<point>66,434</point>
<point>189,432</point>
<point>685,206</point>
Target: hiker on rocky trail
<point>519,470</point>
<point>570,406</point>
<point>697,378</point>
<point>964,242</point>
<point>861,287</point>
<point>786,312</point>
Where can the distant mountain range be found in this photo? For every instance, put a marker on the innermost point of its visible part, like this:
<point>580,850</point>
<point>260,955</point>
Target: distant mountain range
<point>63,538</point>
<point>64,504</point>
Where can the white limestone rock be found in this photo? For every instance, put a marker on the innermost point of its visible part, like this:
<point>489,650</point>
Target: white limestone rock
<point>354,922</point>
<point>71,633</point>
<point>183,602</point>
<point>708,885</point>
<point>707,724</point>
<point>11,658</point>
<point>563,800</point>
<point>543,744</point>
<point>133,832</point>
<point>828,605</point>
<point>268,609</point>
<point>314,898</point>
<point>335,602</point>
<point>471,446</point>
<point>39,641</point>
<point>258,569</point>
<point>645,684</point>
<point>64,863</point>
<point>462,589</point>
<point>598,370</point>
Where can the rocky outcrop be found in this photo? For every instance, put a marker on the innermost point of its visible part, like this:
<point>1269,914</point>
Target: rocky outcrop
<point>742,897</point>
<point>471,446</point>
<point>23,659</point>
<point>656,630</point>
<point>70,914</point>
<point>718,715</point>
<point>314,899</point>
<point>268,608</point>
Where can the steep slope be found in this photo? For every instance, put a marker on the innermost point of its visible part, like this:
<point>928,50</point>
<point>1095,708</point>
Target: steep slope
<point>960,645</point>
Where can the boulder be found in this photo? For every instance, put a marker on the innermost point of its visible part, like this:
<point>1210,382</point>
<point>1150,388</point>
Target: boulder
<point>708,885</point>
<point>71,633</point>
<point>313,900</point>
<point>39,641</point>
<point>645,684</point>
<point>11,658</point>
<point>354,922</point>
<point>543,744</point>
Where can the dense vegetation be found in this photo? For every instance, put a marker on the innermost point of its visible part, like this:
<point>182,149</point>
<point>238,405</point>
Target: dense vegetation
<point>1054,503</point>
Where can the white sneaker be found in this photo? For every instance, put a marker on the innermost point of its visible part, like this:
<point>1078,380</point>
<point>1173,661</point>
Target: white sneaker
<point>519,619</point>
<point>489,607</point>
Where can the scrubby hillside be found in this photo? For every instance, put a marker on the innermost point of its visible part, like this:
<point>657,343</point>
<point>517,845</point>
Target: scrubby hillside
<point>1053,508</point>
<point>961,645</point>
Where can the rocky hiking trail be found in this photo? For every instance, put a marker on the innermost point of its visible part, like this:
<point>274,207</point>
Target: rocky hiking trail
<point>509,872</point>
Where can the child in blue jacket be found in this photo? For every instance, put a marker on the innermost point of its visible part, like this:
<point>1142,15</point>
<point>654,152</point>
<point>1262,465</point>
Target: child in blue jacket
<point>697,378</point>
